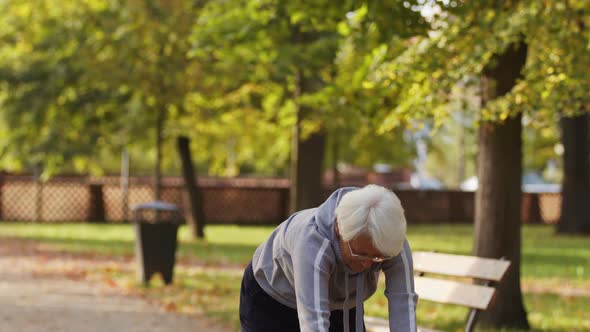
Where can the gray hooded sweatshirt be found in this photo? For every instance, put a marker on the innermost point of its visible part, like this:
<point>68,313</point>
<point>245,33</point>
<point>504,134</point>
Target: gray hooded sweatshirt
<point>301,266</point>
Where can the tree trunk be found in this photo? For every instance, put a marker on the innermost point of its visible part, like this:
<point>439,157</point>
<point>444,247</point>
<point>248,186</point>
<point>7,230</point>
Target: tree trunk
<point>307,155</point>
<point>96,210</point>
<point>498,198</point>
<point>335,156</point>
<point>575,191</point>
<point>158,169</point>
<point>306,170</point>
<point>197,220</point>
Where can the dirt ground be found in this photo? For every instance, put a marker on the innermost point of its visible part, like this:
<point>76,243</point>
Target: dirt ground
<point>40,291</point>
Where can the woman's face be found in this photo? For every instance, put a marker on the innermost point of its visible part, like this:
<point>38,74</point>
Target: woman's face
<point>361,245</point>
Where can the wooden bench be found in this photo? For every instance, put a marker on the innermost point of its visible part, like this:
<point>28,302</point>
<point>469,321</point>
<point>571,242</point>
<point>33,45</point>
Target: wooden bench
<point>461,291</point>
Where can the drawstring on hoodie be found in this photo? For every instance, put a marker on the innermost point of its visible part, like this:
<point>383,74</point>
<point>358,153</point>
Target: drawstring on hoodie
<point>360,310</point>
<point>344,310</point>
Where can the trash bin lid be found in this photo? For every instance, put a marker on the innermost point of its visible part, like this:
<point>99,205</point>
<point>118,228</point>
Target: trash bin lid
<point>155,205</point>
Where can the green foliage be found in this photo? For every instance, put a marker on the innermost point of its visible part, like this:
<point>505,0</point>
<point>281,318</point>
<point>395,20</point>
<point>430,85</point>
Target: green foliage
<point>539,147</point>
<point>45,84</point>
<point>464,40</point>
<point>90,77</point>
<point>285,57</point>
<point>81,79</point>
<point>452,150</point>
<point>271,57</point>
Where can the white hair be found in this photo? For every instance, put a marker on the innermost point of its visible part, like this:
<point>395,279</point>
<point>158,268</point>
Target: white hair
<point>377,212</point>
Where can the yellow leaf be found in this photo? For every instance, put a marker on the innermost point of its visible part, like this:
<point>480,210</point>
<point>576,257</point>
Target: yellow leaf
<point>368,85</point>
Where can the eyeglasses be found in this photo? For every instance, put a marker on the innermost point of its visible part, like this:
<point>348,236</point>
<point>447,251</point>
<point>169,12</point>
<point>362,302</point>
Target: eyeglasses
<point>370,258</point>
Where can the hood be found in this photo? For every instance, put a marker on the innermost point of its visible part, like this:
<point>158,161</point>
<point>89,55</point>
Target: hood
<point>326,215</point>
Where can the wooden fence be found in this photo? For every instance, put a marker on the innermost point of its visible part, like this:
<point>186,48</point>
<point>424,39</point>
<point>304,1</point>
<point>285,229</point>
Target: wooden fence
<point>226,201</point>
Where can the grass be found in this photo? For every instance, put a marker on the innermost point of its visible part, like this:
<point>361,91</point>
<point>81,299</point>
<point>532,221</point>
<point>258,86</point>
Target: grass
<point>225,244</point>
<point>550,264</point>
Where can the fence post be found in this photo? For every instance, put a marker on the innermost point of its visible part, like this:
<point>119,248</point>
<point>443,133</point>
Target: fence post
<point>531,210</point>
<point>38,194</point>
<point>96,203</point>
<point>124,181</point>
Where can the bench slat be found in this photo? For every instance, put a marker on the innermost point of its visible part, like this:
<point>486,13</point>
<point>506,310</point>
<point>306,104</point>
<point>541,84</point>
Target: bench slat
<point>447,291</point>
<point>460,266</point>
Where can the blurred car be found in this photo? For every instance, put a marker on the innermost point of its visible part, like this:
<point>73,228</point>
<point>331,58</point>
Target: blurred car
<point>425,182</point>
<point>532,182</point>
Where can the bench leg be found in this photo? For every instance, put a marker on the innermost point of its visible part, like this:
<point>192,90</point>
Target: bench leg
<point>471,320</point>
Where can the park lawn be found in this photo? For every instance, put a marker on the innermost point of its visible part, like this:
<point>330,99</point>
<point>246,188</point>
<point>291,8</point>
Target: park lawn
<point>555,269</point>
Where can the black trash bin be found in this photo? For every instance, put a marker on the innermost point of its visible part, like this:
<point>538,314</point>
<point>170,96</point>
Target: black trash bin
<point>156,227</point>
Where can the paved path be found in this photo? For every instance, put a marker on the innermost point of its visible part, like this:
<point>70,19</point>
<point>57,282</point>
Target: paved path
<point>35,301</point>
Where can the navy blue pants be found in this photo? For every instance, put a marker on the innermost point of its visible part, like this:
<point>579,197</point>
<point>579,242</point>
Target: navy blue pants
<point>261,313</point>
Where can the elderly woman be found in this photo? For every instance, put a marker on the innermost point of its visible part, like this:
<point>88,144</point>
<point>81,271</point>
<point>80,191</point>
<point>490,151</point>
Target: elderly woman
<point>318,267</point>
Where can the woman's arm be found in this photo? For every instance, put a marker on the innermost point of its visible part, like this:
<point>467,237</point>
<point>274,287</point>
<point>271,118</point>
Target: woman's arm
<point>312,266</point>
<point>399,290</point>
